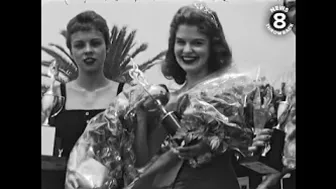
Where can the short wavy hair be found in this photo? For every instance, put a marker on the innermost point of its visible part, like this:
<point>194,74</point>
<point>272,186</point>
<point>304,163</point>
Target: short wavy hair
<point>86,21</point>
<point>208,23</point>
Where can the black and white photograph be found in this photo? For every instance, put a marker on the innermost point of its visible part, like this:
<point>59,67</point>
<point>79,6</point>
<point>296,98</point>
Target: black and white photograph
<point>168,94</point>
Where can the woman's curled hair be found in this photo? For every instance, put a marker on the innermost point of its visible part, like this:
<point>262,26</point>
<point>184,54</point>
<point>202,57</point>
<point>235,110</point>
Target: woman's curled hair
<point>220,56</point>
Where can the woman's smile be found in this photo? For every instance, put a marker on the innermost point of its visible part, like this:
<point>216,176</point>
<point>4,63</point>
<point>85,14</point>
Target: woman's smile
<point>191,49</point>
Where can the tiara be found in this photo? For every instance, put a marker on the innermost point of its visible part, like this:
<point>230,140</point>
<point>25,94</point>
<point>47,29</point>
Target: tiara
<point>204,8</point>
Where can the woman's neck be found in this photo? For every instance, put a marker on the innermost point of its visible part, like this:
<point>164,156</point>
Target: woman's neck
<point>193,79</point>
<point>91,82</point>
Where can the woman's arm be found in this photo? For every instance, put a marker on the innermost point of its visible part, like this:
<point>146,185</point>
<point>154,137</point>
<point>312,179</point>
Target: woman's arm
<point>140,142</point>
<point>144,147</point>
<point>273,179</point>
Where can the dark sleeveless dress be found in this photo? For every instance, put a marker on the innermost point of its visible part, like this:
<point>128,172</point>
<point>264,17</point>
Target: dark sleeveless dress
<point>242,171</point>
<point>70,124</point>
<point>219,174</point>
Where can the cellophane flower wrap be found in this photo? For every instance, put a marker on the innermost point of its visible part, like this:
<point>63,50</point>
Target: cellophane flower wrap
<point>289,154</point>
<point>103,156</point>
<point>287,118</point>
<point>286,114</point>
<point>215,111</point>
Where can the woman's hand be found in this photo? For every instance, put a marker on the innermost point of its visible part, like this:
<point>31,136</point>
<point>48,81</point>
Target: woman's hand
<point>71,182</point>
<point>193,151</point>
<point>261,139</point>
<point>269,181</point>
<point>272,179</point>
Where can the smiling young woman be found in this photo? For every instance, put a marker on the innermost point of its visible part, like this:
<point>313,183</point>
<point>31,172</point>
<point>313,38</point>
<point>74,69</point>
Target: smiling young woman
<point>197,52</point>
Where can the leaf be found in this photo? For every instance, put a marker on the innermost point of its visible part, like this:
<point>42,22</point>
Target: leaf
<point>46,63</point>
<point>66,53</point>
<point>180,133</point>
<point>59,79</point>
<point>52,53</point>
<point>64,64</point>
<point>138,50</point>
<point>63,33</point>
<point>128,44</point>
<point>119,54</point>
<point>159,56</point>
<point>153,61</point>
<point>214,142</point>
<point>188,138</point>
<point>112,62</point>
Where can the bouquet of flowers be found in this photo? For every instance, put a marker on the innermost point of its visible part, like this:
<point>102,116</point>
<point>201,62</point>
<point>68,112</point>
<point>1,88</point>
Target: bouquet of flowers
<point>103,156</point>
<point>222,111</point>
<point>218,110</point>
<point>287,117</point>
<point>214,111</point>
<point>287,122</point>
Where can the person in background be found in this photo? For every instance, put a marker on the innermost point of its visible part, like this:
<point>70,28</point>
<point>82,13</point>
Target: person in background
<point>291,5</point>
<point>86,96</point>
<point>273,181</point>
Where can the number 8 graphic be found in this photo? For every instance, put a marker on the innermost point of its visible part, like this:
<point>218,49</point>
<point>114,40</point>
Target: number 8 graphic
<point>279,20</point>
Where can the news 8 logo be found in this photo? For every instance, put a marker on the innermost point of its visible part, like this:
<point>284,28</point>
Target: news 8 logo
<point>278,22</point>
